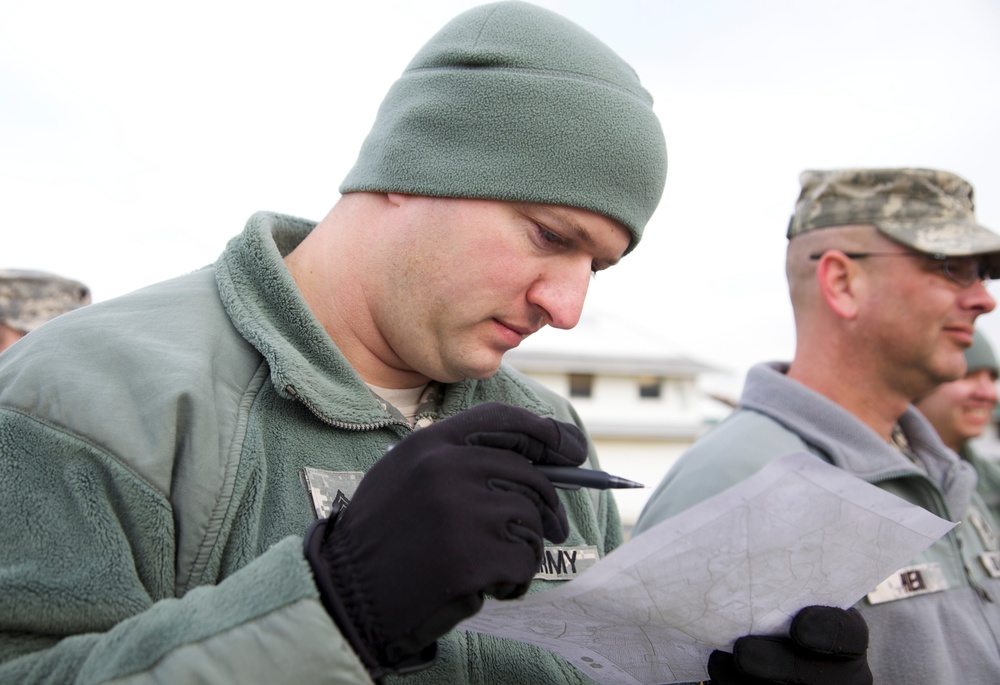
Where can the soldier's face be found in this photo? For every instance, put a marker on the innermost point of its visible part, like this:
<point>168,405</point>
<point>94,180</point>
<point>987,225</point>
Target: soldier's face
<point>920,320</point>
<point>961,410</point>
<point>476,277</point>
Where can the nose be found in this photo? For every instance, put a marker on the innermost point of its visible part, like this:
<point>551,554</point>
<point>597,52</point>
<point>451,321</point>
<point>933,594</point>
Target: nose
<point>986,386</point>
<point>977,298</point>
<point>560,295</point>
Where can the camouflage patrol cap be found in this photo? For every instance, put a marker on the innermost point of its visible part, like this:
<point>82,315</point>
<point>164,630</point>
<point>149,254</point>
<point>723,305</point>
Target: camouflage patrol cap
<point>927,210</point>
<point>30,298</point>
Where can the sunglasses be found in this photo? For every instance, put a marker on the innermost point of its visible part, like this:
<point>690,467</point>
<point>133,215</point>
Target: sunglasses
<point>961,270</point>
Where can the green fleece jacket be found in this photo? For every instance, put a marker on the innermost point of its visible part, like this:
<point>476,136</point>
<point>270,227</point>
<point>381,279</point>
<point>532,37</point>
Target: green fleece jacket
<point>152,499</point>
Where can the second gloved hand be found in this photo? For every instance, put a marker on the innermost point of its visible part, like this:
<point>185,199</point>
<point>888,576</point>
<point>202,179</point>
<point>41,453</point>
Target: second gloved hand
<point>453,511</point>
<point>827,646</point>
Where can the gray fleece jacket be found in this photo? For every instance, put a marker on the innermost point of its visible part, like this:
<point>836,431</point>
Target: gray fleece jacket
<point>936,621</point>
<point>152,496</point>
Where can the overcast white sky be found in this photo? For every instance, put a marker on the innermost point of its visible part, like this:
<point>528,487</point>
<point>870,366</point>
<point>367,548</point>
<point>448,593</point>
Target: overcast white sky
<point>137,137</point>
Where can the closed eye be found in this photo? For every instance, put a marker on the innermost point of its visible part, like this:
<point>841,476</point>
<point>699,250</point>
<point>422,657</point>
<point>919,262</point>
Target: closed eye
<point>549,237</point>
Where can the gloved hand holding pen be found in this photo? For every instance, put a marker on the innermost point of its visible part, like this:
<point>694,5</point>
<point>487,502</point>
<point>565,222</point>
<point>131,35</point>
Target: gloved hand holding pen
<point>454,511</point>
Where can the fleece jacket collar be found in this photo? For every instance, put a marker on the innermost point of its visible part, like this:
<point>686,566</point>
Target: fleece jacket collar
<point>849,443</point>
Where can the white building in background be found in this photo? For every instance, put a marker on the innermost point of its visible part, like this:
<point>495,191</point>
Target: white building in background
<point>639,398</point>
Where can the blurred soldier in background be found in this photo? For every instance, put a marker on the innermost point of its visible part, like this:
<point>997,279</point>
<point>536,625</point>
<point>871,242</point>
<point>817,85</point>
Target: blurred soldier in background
<point>960,411</point>
<point>30,298</point>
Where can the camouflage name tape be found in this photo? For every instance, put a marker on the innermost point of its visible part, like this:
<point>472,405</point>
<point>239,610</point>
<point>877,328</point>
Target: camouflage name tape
<point>30,298</point>
<point>925,209</point>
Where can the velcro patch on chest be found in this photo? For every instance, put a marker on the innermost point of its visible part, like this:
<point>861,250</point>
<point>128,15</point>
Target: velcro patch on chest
<point>991,562</point>
<point>984,529</point>
<point>325,488</point>
<point>909,581</point>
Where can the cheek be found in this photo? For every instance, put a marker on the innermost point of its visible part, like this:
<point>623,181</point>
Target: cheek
<point>506,273</point>
<point>957,393</point>
<point>945,404</point>
<point>939,304</point>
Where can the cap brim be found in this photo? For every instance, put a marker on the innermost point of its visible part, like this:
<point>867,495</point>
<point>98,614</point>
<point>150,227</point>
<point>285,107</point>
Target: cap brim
<point>949,238</point>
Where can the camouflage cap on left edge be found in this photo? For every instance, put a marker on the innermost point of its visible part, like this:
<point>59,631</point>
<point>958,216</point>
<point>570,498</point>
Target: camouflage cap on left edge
<point>30,298</point>
<point>927,210</point>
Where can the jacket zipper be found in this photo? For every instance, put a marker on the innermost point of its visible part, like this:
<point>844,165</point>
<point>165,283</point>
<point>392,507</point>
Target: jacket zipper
<point>290,389</point>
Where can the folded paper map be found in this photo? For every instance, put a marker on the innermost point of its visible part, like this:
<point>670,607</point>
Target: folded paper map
<point>799,532</point>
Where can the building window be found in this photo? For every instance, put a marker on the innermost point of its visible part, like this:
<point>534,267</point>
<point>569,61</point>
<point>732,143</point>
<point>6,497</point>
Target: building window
<point>650,386</point>
<point>581,384</point>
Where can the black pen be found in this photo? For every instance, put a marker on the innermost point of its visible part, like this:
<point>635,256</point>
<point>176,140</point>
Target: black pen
<point>573,478</point>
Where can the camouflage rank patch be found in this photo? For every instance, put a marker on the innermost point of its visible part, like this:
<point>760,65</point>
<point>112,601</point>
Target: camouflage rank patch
<point>325,488</point>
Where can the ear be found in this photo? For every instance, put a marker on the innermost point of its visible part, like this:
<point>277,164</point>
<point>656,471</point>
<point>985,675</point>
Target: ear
<point>839,281</point>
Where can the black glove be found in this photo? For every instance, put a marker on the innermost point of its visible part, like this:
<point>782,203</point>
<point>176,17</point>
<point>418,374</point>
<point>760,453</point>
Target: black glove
<point>827,647</point>
<point>453,511</point>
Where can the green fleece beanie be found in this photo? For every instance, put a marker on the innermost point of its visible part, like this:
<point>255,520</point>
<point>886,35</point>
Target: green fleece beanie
<point>510,101</point>
<point>980,354</point>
